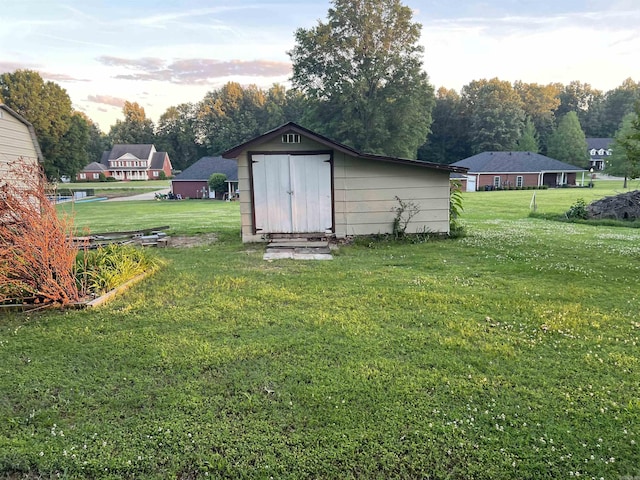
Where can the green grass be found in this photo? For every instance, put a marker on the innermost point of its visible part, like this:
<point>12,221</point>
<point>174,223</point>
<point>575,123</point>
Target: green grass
<point>117,188</point>
<point>185,217</point>
<point>511,353</point>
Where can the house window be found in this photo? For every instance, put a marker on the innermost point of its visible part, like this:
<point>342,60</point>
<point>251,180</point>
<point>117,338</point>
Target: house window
<point>96,176</point>
<point>519,181</point>
<point>83,176</point>
<point>156,173</point>
<point>592,152</point>
<point>496,182</point>
<point>290,138</point>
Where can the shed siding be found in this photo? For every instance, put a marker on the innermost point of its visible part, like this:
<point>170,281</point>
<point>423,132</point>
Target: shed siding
<point>365,194</point>
<point>15,142</point>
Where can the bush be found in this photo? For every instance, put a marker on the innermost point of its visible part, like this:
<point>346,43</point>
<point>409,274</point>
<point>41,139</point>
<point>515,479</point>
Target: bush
<point>37,253</point>
<point>217,182</point>
<point>111,179</point>
<point>578,210</point>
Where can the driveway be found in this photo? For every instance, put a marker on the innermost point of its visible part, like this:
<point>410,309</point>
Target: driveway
<point>140,196</point>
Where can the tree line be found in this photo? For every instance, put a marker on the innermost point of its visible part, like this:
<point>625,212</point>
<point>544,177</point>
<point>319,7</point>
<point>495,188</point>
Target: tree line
<point>358,78</point>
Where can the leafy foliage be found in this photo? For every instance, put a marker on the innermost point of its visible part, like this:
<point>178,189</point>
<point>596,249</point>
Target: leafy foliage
<point>628,140</point>
<point>405,211</point>
<point>217,182</point>
<point>105,268</point>
<point>176,135</point>
<point>528,141</point>
<point>456,207</point>
<point>362,72</point>
<point>135,128</point>
<point>495,115</point>
<point>62,133</point>
<point>578,210</point>
<point>568,143</point>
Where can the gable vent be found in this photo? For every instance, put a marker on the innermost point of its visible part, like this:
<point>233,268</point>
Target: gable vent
<point>290,138</point>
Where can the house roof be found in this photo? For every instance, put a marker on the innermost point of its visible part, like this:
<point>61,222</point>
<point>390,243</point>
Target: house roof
<point>140,151</point>
<point>206,166</point>
<point>295,128</point>
<point>157,161</point>
<point>599,143</point>
<point>95,167</point>
<point>32,131</point>
<point>514,162</point>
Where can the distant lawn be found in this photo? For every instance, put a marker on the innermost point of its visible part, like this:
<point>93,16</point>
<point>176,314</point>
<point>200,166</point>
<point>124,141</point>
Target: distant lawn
<point>511,353</point>
<point>185,217</point>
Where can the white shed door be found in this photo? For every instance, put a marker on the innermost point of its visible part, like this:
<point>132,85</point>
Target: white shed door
<point>292,193</point>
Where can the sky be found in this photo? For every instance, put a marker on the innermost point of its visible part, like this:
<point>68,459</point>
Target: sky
<point>166,52</point>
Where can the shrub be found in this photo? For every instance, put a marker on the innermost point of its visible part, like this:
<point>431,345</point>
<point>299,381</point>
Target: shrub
<point>37,253</point>
<point>578,210</point>
<point>217,182</point>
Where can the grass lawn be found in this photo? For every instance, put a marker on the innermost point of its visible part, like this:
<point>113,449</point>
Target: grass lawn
<point>112,189</point>
<point>510,353</point>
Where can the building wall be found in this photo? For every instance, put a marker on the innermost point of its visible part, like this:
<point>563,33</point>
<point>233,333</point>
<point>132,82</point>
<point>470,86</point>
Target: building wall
<point>364,193</point>
<point>190,189</point>
<point>510,179</point>
<point>365,196</point>
<point>15,143</point>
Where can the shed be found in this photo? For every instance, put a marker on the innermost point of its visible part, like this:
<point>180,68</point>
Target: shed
<point>19,145</point>
<point>294,182</point>
<point>193,182</point>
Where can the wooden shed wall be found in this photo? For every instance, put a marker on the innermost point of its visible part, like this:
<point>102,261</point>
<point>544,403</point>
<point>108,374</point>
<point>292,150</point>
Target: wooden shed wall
<point>364,193</point>
<point>15,142</point>
<point>365,196</point>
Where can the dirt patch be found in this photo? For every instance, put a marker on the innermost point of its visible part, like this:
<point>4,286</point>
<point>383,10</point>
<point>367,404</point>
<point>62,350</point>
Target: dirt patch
<point>192,241</point>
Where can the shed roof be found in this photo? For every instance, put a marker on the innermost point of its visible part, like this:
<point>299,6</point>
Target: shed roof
<point>32,131</point>
<point>295,128</point>
<point>206,166</point>
<point>514,162</point>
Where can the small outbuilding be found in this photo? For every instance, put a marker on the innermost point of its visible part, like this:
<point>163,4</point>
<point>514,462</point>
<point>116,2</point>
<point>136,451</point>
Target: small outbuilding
<point>294,182</point>
<point>193,182</point>
<point>498,170</point>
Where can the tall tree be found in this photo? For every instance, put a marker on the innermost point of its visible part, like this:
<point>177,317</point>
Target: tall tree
<point>582,99</point>
<point>626,147</point>
<point>230,115</point>
<point>528,142</point>
<point>135,128</point>
<point>539,103</point>
<point>447,142</point>
<point>615,105</point>
<point>362,69</point>
<point>73,148</point>
<point>47,106</point>
<point>176,134</point>
<point>495,114</point>
<point>568,143</point>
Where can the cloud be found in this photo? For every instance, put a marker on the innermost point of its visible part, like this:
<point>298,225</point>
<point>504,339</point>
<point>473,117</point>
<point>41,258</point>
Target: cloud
<point>107,100</point>
<point>61,77</point>
<point>10,67</point>
<point>194,71</point>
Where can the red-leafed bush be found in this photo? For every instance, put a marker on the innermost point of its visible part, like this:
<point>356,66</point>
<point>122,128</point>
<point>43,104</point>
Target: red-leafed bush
<point>37,254</point>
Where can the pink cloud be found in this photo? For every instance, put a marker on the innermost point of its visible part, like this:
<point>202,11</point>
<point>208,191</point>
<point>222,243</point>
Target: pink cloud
<point>195,71</point>
<point>107,100</point>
